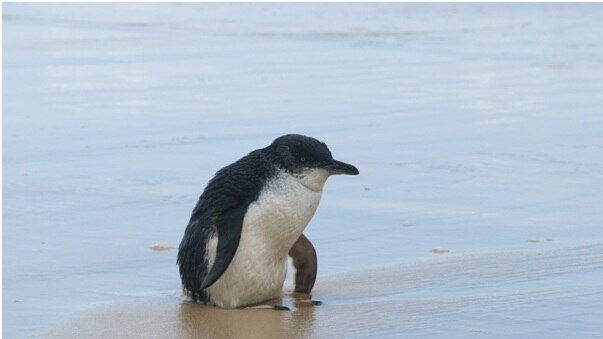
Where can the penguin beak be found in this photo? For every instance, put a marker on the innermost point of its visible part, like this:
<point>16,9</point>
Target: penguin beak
<point>338,167</point>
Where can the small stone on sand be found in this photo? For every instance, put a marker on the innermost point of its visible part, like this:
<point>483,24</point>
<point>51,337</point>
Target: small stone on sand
<point>160,247</point>
<point>366,189</point>
<point>440,250</point>
<point>533,241</point>
<point>407,224</point>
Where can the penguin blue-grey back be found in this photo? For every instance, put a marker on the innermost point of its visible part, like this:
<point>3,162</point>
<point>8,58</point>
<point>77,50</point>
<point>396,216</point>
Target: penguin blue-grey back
<point>249,217</point>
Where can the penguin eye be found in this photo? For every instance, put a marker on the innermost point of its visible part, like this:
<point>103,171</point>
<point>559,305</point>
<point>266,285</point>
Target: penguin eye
<point>302,159</point>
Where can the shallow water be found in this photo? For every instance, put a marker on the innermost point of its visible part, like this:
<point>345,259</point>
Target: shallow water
<point>476,128</point>
<point>515,294</point>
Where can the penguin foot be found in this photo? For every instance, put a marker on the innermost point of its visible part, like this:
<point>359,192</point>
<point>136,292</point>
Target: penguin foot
<point>304,299</point>
<point>281,308</point>
<point>267,307</point>
<point>305,263</point>
<point>308,302</point>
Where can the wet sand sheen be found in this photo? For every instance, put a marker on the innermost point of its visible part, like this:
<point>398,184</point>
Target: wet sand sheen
<point>459,295</point>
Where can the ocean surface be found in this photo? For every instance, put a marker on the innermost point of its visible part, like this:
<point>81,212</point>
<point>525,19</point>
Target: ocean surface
<point>477,130</point>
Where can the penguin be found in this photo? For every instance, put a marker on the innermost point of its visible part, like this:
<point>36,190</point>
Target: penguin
<point>250,219</point>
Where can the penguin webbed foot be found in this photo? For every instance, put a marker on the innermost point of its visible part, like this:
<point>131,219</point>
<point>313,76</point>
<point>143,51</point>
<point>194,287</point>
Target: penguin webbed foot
<point>305,263</point>
<point>267,306</point>
<point>304,299</point>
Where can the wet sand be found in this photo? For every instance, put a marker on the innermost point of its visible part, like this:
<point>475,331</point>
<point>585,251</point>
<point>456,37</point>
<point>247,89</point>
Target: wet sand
<point>485,295</point>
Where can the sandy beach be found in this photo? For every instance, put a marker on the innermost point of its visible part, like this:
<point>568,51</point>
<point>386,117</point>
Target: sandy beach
<point>476,129</point>
<point>484,295</point>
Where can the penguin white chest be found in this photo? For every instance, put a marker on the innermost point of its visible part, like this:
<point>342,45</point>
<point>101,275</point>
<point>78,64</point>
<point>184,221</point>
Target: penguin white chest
<point>271,226</point>
<point>281,212</point>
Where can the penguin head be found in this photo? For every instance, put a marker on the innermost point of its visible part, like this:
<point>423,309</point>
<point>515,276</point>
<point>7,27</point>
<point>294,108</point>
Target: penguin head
<point>307,159</point>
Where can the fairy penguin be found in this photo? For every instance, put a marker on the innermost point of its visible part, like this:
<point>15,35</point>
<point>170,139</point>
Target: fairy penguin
<point>250,219</point>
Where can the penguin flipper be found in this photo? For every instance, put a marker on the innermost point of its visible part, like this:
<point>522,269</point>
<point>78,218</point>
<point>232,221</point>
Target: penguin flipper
<point>229,226</point>
<point>195,270</point>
